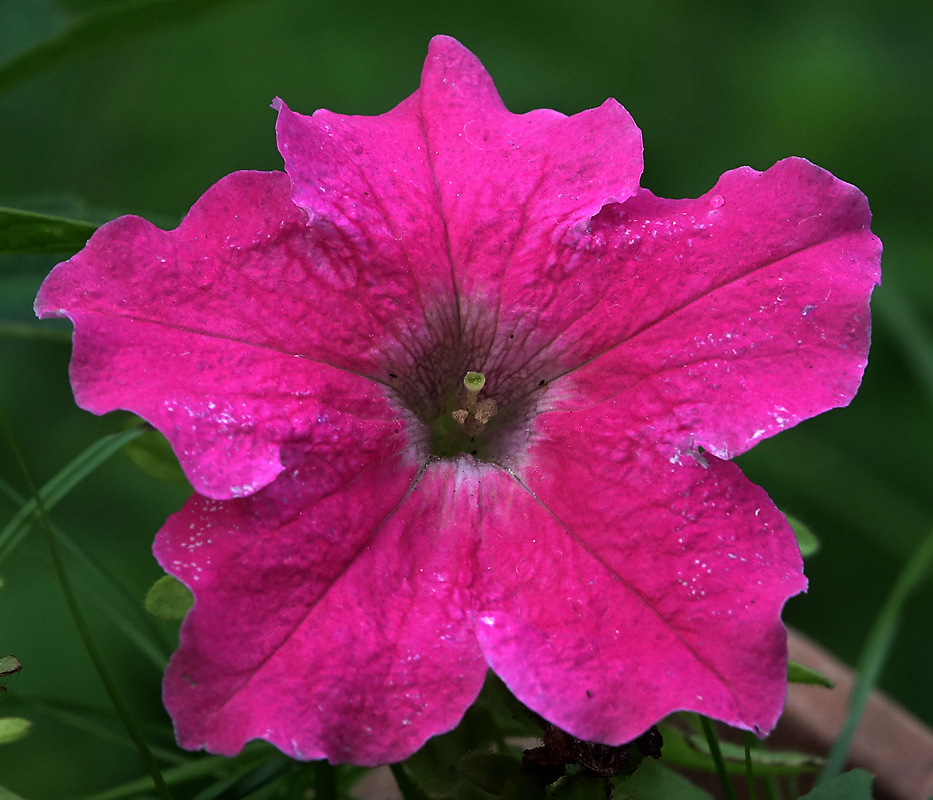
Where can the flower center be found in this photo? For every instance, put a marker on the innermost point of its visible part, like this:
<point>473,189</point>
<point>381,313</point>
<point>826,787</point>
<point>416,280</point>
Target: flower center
<point>487,415</point>
<point>461,426</point>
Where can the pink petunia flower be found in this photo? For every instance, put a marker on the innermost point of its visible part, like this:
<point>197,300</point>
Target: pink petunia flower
<point>368,537</point>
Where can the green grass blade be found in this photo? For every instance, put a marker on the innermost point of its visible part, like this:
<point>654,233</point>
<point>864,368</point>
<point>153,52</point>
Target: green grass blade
<point>325,781</point>
<point>10,492</point>
<point>691,751</point>
<point>406,786</point>
<point>59,486</point>
<point>110,25</point>
<point>34,332</point>
<point>219,767</point>
<point>82,718</point>
<point>715,752</point>
<point>100,665</point>
<point>220,786</point>
<point>28,232</point>
<point>154,646</point>
<point>875,653</point>
<point>138,628</point>
<point>750,742</point>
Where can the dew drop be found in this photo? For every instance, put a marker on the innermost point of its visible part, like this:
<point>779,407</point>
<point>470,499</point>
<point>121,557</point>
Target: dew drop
<point>716,201</point>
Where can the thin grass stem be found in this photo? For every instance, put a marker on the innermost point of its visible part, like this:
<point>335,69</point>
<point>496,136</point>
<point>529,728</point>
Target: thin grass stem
<point>84,631</point>
<point>875,654</point>
<point>60,485</point>
<point>325,781</point>
<point>406,786</point>
<point>81,719</point>
<point>749,772</point>
<point>716,753</point>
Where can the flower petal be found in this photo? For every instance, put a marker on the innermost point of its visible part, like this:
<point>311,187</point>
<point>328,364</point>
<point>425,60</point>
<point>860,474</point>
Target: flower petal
<point>730,317</point>
<point>541,171</point>
<point>222,333</point>
<point>338,631</point>
<point>638,589</point>
<point>411,176</point>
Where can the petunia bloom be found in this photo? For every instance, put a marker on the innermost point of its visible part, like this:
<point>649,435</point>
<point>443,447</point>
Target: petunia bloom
<point>368,535</point>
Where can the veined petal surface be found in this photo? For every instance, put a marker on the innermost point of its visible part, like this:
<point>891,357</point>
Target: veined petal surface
<point>412,174</point>
<point>730,317</point>
<point>341,630</point>
<point>223,333</point>
<point>664,582</point>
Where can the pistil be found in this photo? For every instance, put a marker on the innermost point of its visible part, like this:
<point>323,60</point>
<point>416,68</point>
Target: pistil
<point>474,383</point>
<point>477,413</point>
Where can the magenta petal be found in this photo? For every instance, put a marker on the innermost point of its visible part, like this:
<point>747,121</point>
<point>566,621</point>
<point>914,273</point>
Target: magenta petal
<point>341,632</point>
<point>542,172</point>
<point>221,333</point>
<point>640,588</point>
<point>411,175</point>
<point>735,315</point>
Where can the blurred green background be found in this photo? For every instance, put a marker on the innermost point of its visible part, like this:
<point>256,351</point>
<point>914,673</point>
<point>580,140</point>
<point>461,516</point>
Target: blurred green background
<point>144,124</point>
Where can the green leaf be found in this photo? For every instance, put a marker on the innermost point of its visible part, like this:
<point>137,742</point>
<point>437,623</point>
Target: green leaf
<point>325,781</point>
<point>169,599</point>
<point>34,331</point>
<point>26,232</point>
<point>806,541</point>
<point>152,453</point>
<point>691,750</point>
<point>483,728</point>
<point>798,673</point>
<point>9,665</point>
<point>508,715</point>
<point>13,728</point>
<point>6,794</point>
<point>524,785</point>
<point>111,24</point>
<point>653,780</point>
<point>489,771</point>
<point>582,786</point>
<point>854,785</point>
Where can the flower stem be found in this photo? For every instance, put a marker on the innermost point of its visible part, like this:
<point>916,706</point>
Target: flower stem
<point>716,753</point>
